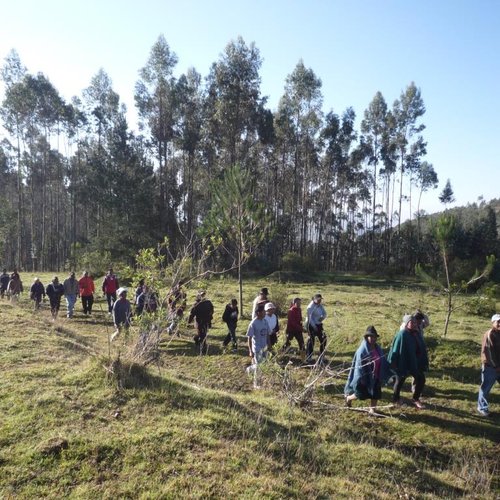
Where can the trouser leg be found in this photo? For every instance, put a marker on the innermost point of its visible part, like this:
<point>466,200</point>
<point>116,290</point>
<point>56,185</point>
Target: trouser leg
<point>398,384</point>
<point>488,378</point>
<point>419,384</point>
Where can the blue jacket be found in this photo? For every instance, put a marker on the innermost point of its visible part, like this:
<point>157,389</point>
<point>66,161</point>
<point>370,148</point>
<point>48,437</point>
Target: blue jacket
<point>362,369</point>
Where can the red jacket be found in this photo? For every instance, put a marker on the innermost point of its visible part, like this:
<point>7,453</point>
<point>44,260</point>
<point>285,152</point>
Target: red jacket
<point>294,324</point>
<point>86,285</point>
<point>110,284</point>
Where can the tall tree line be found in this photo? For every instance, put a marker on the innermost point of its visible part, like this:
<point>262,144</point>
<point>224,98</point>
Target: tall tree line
<point>76,180</point>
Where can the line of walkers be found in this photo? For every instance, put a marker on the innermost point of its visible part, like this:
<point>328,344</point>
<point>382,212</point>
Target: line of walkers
<point>370,368</point>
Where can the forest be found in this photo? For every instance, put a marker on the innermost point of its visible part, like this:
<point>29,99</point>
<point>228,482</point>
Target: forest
<point>80,184</point>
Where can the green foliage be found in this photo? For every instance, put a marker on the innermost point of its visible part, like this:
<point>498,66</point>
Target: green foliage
<point>481,305</point>
<point>96,262</point>
<point>293,261</point>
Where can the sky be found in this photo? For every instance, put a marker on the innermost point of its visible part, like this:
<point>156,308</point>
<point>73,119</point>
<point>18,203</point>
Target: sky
<point>449,48</point>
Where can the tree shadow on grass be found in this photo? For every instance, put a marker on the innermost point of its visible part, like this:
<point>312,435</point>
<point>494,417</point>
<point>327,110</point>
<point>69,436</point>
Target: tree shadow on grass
<point>468,424</point>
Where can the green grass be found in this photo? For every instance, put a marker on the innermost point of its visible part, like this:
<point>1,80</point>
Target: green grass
<point>193,427</point>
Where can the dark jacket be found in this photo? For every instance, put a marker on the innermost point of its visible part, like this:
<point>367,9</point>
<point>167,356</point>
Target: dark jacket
<point>37,290</point>
<point>230,316</point>
<point>54,291</point>
<point>408,354</point>
<point>203,311</point>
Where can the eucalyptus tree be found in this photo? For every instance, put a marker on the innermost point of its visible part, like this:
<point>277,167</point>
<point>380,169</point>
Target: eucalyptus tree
<point>410,147</point>
<point>427,178</point>
<point>374,137</point>
<point>12,114</point>
<point>300,116</point>
<point>155,97</point>
<point>190,98</point>
<point>234,100</point>
<point>105,113</point>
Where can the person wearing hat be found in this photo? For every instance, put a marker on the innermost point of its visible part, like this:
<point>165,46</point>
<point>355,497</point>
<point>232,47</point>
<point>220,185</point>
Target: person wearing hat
<point>295,328</point>
<point>262,298</point>
<point>122,312</point>
<point>55,291</point>
<point>71,292</point>
<point>408,356</point>
<point>316,314</point>
<point>490,364</point>
<point>369,370</point>
<point>37,292</point>
<point>273,323</point>
<point>202,312</point>
<point>258,343</point>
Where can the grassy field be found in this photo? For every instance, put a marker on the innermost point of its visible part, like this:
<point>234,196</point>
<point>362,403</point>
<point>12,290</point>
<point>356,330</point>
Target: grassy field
<point>193,427</point>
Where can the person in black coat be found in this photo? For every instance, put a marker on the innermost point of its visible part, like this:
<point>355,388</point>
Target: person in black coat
<point>230,317</point>
<point>202,312</point>
<point>55,291</point>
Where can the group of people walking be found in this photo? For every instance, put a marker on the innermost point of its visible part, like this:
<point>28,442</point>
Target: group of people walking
<point>370,369</point>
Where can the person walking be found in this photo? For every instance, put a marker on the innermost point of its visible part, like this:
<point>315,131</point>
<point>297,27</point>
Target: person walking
<point>408,356</point>
<point>490,364</point>
<point>258,344</point>
<point>273,322</point>
<point>87,289</point>
<point>316,314</point>
<point>15,286</point>
<point>109,288</point>
<point>295,328</point>
<point>369,370</point>
<point>37,292</point>
<point>71,290</point>
<point>262,298</point>
<point>55,291</point>
<point>202,312</point>
<point>122,313</point>
<point>4,283</point>
<point>230,317</point>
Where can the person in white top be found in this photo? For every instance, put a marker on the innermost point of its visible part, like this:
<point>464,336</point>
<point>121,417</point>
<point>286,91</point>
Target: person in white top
<point>261,298</point>
<point>272,321</point>
<point>316,314</point>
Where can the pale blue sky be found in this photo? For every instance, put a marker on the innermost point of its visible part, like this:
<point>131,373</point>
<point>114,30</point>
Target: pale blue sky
<point>449,48</point>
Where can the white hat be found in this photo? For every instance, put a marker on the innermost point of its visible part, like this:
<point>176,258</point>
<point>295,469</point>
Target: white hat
<point>121,290</point>
<point>495,317</point>
<point>269,305</point>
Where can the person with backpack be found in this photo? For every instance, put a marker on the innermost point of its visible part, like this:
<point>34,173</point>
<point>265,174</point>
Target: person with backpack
<point>258,344</point>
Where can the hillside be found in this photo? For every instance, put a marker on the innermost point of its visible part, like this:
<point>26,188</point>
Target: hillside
<point>193,427</point>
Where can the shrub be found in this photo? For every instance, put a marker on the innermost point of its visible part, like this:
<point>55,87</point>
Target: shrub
<point>292,261</point>
<point>480,305</point>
